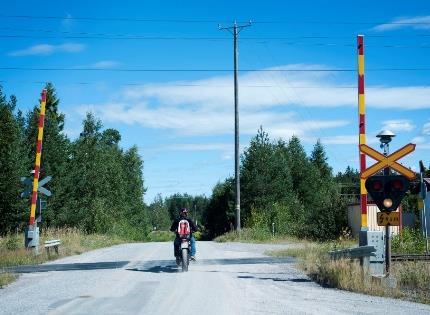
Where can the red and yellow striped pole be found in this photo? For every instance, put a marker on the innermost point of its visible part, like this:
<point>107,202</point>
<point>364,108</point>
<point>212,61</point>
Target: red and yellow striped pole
<point>362,129</point>
<point>38,158</point>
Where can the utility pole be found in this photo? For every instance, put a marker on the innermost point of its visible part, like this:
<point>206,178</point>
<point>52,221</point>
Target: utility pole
<point>235,30</point>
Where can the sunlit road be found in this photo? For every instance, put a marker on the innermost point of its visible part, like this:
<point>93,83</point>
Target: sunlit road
<point>142,278</point>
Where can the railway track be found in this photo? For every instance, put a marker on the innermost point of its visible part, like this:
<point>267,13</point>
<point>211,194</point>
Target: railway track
<point>410,257</point>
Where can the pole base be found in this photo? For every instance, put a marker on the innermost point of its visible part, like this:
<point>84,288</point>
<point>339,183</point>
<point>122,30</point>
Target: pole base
<point>31,234</point>
<point>362,238</point>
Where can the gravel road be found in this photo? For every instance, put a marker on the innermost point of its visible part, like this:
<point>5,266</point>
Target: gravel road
<point>228,278</point>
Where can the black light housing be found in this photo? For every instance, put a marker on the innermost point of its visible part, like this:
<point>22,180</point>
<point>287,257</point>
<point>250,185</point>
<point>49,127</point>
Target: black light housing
<point>387,191</point>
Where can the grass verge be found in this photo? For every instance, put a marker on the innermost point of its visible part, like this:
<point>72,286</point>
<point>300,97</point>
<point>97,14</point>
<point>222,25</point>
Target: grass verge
<point>413,278</point>
<point>250,235</point>
<point>73,242</point>
<point>161,236</point>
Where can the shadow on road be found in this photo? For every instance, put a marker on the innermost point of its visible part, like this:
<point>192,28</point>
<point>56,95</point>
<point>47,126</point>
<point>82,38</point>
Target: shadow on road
<point>166,266</point>
<point>275,279</point>
<point>156,269</point>
<point>66,267</point>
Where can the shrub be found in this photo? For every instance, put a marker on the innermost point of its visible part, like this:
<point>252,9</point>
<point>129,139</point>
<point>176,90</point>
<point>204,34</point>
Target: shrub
<point>12,242</point>
<point>410,241</point>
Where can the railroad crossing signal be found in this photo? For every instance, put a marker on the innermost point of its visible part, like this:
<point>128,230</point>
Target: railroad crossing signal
<point>388,218</point>
<point>387,191</point>
<point>387,161</point>
<point>28,182</point>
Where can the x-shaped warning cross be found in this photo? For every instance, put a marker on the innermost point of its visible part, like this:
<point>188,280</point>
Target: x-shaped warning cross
<point>387,161</point>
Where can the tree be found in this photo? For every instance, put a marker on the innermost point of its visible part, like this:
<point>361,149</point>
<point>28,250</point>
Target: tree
<point>13,210</point>
<point>159,215</point>
<point>219,214</point>
<point>319,160</point>
<point>178,201</point>
<point>265,177</point>
<point>348,184</point>
<point>323,212</point>
<point>134,189</point>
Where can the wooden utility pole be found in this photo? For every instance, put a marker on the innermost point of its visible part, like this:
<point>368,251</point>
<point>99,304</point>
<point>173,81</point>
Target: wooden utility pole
<point>235,29</point>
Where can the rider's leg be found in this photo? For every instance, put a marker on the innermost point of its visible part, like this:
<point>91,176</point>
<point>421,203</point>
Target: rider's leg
<point>176,244</point>
<point>193,246</point>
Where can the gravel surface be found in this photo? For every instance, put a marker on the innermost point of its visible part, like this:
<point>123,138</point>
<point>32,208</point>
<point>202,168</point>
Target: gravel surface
<point>228,278</point>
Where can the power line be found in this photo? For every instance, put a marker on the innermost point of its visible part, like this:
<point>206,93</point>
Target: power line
<point>118,19</point>
<point>133,36</point>
<point>418,45</point>
<point>179,20</point>
<point>187,85</point>
<point>210,70</point>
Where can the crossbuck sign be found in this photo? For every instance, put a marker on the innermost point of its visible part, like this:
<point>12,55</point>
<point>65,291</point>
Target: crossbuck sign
<point>387,161</point>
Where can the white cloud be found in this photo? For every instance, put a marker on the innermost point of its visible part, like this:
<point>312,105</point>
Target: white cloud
<point>418,140</point>
<point>269,89</point>
<point>426,128</point>
<point>47,49</point>
<point>196,147</point>
<point>205,107</point>
<point>417,22</point>
<point>342,139</point>
<point>207,120</point>
<point>105,64</point>
<point>345,139</point>
<point>423,146</point>
<point>398,125</point>
<point>71,133</point>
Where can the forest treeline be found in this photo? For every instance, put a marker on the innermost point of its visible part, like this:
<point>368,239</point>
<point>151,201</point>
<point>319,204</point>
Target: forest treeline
<point>99,187</point>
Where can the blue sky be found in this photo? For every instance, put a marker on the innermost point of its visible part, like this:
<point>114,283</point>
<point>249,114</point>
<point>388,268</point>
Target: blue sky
<point>182,121</point>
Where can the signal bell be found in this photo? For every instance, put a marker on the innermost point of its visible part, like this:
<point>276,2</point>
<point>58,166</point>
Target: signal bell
<point>387,191</point>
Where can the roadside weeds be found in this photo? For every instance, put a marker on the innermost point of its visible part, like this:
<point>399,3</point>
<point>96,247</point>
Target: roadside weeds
<point>413,278</point>
<point>251,235</point>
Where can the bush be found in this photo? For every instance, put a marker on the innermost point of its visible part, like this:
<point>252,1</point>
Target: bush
<point>12,242</point>
<point>410,241</point>
<point>125,230</point>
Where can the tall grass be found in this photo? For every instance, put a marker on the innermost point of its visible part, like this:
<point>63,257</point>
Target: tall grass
<point>410,241</point>
<point>413,278</point>
<point>255,235</point>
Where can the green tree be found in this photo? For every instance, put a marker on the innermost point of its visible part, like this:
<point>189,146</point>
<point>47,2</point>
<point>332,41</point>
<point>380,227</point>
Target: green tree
<point>159,215</point>
<point>105,184</point>
<point>319,160</point>
<point>348,183</point>
<point>219,215</point>
<point>200,203</point>
<point>178,201</point>
<point>13,210</point>
<point>265,178</point>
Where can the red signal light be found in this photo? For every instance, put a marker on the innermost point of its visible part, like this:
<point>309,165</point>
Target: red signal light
<point>397,184</point>
<point>377,185</point>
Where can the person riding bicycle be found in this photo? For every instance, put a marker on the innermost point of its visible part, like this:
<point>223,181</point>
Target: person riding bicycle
<point>183,213</point>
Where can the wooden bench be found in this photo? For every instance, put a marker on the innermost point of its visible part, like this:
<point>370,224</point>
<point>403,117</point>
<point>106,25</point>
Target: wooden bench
<point>52,243</point>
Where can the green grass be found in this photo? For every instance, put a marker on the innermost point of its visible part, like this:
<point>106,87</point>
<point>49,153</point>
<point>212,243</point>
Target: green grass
<point>251,235</point>
<point>6,278</point>
<point>410,241</point>
<point>161,236</point>
<point>413,278</point>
